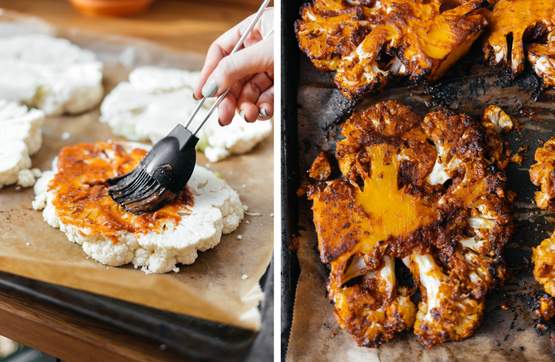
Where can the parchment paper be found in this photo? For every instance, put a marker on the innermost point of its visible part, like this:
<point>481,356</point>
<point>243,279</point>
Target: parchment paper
<point>507,330</point>
<point>222,285</point>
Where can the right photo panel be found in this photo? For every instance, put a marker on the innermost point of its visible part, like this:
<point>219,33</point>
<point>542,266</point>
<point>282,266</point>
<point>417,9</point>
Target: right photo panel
<point>418,180</point>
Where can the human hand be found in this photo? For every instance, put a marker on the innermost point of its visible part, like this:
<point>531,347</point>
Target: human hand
<point>248,73</point>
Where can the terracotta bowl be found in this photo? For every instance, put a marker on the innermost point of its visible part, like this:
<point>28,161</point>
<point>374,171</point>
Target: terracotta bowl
<point>111,7</point>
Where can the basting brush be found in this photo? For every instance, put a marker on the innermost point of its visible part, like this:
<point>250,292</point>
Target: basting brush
<point>162,175</point>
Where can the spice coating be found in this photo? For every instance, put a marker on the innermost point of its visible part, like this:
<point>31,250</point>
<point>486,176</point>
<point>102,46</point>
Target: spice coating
<point>520,26</point>
<point>81,193</point>
<point>542,174</point>
<point>368,43</point>
<point>428,192</point>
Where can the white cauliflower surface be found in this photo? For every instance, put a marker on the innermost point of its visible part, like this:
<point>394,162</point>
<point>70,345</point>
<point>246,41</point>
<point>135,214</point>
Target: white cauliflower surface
<point>155,99</point>
<point>216,210</point>
<point>20,137</point>
<point>222,285</point>
<point>49,73</point>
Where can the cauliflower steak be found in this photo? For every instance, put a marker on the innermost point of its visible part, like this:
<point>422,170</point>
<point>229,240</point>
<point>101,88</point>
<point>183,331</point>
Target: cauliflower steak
<point>417,194</point>
<point>542,174</point>
<point>514,25</point>
<point>155,99</point>
<point>74,198</point>
<point>369,42</point>
<point>543,257</point>
<point>50,74</point>
<point>21,138</point>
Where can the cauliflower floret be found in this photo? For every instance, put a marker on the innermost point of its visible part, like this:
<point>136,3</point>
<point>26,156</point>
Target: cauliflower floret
<point>542,58</point>
<point>445,312</point>
<point>376,306</point>
<point>156,99</point>
<point>26,178</point>
<point>321,168</point>
<point>494,117</point>
<point>386,205</point>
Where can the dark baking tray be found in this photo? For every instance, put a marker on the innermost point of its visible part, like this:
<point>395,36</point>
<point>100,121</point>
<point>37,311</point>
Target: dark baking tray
<point>193,338</point>
<point>289,165</point>
<point>311,121</point>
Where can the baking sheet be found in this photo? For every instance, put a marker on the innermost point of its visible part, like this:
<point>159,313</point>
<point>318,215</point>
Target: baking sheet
<point>507,331</point>
<point>222,285</point>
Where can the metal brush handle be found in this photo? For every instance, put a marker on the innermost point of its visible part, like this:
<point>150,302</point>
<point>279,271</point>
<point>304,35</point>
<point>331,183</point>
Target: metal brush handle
<point>218,101</point>
<point>238,45</point>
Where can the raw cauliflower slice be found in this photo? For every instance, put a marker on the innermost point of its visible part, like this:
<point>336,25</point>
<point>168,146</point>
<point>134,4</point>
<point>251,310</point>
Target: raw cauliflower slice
<point>20,123</point>
<point>155,99</point>
<point>49,73</point>
<point>21,137</point>
<point>216,210</point>
<point>14,158</point>
<point>239,137</point>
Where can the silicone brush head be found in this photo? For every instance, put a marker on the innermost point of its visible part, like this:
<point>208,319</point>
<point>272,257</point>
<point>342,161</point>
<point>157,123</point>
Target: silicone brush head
<point>160,177</point>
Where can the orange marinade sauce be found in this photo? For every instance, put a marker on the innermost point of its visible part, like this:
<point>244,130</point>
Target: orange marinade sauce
<point>82,198</point>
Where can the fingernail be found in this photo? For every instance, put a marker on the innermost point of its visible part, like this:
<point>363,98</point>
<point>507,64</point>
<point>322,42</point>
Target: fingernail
<point>244,116</point>
<point>220,122</point>
<point>263,113</point>
<point>209,89</point>
<point>195,97</point>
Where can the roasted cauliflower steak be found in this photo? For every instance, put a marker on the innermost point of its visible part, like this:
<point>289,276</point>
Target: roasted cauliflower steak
<point>369,42</point>
<point>331,29</point>
<point>544,264</point>
<point>542,174</point>
<point>423,193</point>
<point>543,259</point>
<point>514,25</point>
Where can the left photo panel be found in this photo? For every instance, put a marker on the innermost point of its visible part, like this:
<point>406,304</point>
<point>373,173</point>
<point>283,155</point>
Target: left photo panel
<point>136,180</point>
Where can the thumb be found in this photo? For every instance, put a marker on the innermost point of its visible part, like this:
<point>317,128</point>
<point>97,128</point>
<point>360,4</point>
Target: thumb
<point>255,59</point>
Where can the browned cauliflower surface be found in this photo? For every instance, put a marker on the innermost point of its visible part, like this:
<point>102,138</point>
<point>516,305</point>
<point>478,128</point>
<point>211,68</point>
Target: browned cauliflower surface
<point>520,24</point>
<point>496,121</point>
<point>423,193</point>
<point>543,256</point>
<point>542,173</point>
<point>369,42</point>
